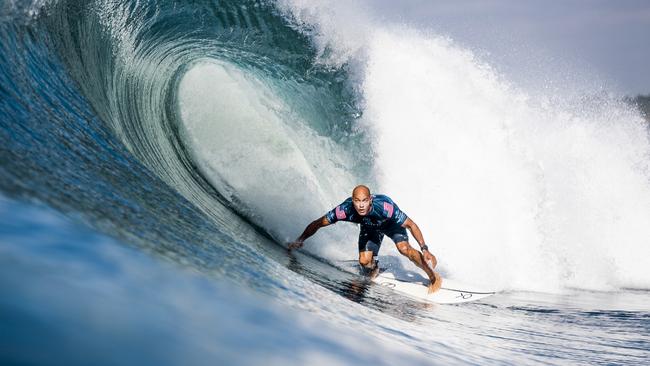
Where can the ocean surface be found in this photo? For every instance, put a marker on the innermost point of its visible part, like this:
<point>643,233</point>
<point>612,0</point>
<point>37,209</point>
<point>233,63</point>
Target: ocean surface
<point>156,156</point>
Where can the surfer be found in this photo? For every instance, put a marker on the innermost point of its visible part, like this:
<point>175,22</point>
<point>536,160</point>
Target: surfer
<point>377,216</point>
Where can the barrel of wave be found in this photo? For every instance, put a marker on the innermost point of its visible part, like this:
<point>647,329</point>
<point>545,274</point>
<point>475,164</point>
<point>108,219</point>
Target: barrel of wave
<point>255,151</point>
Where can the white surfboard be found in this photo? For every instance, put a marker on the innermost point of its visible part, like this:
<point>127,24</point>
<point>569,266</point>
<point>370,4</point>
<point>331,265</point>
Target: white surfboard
<point>415,287</point>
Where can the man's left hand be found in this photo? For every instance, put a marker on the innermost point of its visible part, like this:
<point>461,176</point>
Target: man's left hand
<point>430,259</point>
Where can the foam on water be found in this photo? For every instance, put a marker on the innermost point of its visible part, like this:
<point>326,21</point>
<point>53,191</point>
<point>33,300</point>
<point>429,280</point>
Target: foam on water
<point>516,192</point>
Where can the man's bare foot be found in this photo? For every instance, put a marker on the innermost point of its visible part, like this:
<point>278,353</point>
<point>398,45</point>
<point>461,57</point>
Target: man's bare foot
<point>370,272</point>
<point>374,272</point>
<point>436,284</point>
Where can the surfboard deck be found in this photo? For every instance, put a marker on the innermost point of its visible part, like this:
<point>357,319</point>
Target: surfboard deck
<point>452,292</point>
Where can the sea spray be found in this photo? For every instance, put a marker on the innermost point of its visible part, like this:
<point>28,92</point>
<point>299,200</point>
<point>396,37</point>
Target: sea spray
<point>523,193</point>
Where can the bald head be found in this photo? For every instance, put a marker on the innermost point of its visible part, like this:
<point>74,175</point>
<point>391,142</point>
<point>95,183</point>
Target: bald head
<point>360,190</point>
<point>362,200</point>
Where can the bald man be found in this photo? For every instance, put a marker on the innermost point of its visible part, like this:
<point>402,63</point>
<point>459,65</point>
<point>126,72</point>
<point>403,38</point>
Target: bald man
<point>377,215</point>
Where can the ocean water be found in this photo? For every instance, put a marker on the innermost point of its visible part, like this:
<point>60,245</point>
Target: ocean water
<point>156,156</point>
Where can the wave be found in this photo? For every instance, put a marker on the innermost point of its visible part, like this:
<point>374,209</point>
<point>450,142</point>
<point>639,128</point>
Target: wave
<point>141,101</point>
<point>171,122</point>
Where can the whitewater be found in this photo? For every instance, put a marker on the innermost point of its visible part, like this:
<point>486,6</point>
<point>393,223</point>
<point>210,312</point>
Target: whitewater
<point>156,157</point>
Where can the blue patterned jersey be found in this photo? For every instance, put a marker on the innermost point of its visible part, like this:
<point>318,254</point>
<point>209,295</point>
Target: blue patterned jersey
<point>384,212</point>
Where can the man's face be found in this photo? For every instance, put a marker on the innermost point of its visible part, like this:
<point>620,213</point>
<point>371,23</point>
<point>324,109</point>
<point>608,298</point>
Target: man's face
<point>362,202</point>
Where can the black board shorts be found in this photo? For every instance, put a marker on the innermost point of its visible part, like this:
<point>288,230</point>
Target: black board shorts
<point>370,237</point>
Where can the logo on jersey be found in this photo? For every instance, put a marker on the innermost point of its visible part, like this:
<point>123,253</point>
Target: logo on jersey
<point>340,214</point>
<point>388,208</point>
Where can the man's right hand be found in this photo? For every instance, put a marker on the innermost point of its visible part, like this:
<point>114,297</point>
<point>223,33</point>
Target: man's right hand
<point>310,230</point>
<point>295,245</point>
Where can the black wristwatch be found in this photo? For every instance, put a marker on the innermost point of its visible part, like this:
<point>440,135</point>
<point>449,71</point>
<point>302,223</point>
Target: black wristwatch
<point>424,247</point>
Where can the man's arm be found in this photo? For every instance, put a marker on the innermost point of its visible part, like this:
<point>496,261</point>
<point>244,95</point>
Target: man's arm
<point>415,231</point>
<point>310,230</point>
<point>417,234</point>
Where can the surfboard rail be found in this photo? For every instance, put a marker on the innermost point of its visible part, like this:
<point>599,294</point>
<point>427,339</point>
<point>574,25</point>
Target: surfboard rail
<point>451,292</point>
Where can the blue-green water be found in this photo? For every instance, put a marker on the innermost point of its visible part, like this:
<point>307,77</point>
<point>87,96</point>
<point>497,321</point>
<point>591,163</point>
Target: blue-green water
<point>155,157</point>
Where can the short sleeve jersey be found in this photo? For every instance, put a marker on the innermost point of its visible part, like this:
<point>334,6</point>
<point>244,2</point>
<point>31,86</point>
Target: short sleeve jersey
<point>384,212</point>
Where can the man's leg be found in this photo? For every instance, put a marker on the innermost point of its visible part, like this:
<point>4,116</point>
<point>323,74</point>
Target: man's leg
<point>366,259</point>
<point>418,259</point>
<point>369,244</point>
<point>369,266</point>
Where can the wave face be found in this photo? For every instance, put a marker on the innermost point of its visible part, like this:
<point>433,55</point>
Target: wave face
<point>138,77</point>
<point>175,114</point>
<point>210,132</point>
